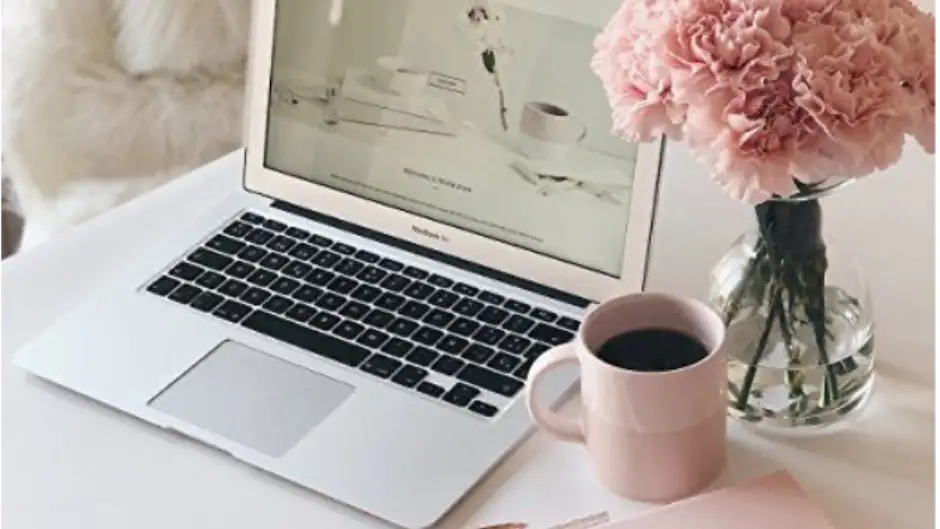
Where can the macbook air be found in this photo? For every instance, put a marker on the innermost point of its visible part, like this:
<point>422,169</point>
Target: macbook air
<point>432,199</point>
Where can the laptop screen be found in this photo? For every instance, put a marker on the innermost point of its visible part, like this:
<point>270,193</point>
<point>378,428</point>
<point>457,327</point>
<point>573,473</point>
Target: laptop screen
<point>483,115</point>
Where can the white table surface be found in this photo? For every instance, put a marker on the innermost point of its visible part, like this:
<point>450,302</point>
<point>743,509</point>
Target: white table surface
<point>70,463</point>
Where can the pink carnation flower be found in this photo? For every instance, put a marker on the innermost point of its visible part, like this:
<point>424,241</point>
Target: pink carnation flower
<point>768,91</point>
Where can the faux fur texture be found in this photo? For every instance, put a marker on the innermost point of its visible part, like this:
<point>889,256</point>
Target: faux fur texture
<point>105,99</point>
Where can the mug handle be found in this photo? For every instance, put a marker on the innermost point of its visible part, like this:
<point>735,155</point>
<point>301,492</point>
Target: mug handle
<point>555,424</point>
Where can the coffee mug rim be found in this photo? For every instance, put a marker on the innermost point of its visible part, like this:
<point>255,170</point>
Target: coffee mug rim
<point>635,297</point>
<point>532,106</point>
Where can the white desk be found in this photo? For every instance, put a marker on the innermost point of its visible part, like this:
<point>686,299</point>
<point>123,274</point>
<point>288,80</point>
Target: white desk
<point>70,463</point>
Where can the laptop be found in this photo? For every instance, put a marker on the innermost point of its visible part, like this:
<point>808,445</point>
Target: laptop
<point>431,200</point>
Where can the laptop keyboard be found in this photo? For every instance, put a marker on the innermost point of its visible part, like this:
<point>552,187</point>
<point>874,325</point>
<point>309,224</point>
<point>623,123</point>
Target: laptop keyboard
<point>366,311</point>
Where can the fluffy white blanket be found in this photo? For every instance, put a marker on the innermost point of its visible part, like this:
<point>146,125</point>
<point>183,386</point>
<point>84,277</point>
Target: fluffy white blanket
<point>105,99</point>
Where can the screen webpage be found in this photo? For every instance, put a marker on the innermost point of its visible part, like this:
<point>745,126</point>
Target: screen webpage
<point>482,115</point>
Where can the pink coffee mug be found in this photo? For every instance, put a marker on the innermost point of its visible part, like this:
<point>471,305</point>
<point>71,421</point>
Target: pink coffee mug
<point>653,436</point>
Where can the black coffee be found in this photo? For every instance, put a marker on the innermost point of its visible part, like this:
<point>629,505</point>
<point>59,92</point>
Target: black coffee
<point>553,110</point>
<point>652,350</point>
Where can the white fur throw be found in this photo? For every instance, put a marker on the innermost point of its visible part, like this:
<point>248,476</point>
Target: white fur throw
<point>105,99</point>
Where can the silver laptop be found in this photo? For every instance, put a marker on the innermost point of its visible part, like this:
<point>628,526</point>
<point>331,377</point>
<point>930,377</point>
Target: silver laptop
<point>432,199</point>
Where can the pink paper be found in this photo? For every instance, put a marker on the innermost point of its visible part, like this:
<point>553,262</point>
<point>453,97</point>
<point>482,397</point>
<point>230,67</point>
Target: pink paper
<point>775,501</point>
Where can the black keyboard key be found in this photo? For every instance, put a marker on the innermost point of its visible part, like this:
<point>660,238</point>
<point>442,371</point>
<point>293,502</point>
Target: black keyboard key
<point>297,233</point>
<point>232,311</point>
<point>297,269</point>
<point>409,376</point>
<point>440,281</point>
<point>252,254</point>
<point>463,327</point>
<point>252,218</point>
<point>320,277</point>
<point>536,349</point>
<point>465,289</point>
<point>302,251</point>
<point>427,335</point>
<point>461,394</point>
<point>551,335</point>
<point>309,339</point>
<point>324,321</point>
<point>163,286</point>
<point>468,307</point>
<point>418,290</point>
<point>514,344</point>
<point>349,267</point>
<point>307,294</point>
<point>491,298</point>
<point>277,304</point>
<point>343,248</point>
<point>367,257</point>
<point>438,318</point>
<point>489,335</point>
<point>517,306</point>
<point>285,285</point>
<point>262,278</point>
<point>225,245</point>
<point>483,408</point>
<point>274,225</point>
<point>443,299</point>
<point>320,240</point>
<point>397,347</point>
<point>493,315</point>
<point>478,354</point>
<point>522,372</point>
<point>414,310</point>
<point>379,318</point>
<point>342,285</point>
<point>395,283</point>
<point>239,269</point>
<point>184,294</point>
<point>390,264</point>
<point>331,302</point>
<point>504,363</point>
<point>186,271</point>
<point>354,310</point>
<point>255,296</point>
<point>326,259</point>
<point>300,312</point>
<point>422,356</point>
<point>237,229</point>
<point>273,261</point>
<point>568,323</point>
<point>233,288</point>
<point>348,329</point>
<point>415,273</point>
<point>447,365</point>
<point>366,293</point>
<point>372,338</point>
<point>211,279</point>
<point>490,380</point>
<point>431,390</point>
<point>372,275</point>
<point>206,301</point>
<point>544,315</point>
<point>452,344</point>
<point>389,301</point>
<point>259,236</point>
<point>403,327</point>
<point>518,324</point>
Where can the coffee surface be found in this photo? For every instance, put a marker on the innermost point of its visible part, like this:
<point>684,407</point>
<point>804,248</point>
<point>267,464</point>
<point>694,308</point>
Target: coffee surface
<point>650,350</point>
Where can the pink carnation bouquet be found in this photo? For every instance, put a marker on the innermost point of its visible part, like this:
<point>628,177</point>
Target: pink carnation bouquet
<point>782,100</point>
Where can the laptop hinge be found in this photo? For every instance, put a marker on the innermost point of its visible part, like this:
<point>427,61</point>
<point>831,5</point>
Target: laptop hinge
<point>447,259</point>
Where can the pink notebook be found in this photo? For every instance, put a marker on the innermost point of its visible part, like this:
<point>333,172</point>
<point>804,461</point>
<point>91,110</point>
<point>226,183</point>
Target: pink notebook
<point>775,501</point>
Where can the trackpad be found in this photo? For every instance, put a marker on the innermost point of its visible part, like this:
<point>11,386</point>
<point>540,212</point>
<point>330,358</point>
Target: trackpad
<point>252,398</point>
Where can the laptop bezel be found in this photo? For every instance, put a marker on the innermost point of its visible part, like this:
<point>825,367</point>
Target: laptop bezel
<point>492,253</point>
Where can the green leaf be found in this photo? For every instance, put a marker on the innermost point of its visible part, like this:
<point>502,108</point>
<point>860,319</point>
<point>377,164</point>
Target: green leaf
<point>489,61</point>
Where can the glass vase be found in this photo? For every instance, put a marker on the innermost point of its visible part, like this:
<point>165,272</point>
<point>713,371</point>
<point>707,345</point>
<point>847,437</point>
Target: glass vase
<point>799,316</point>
